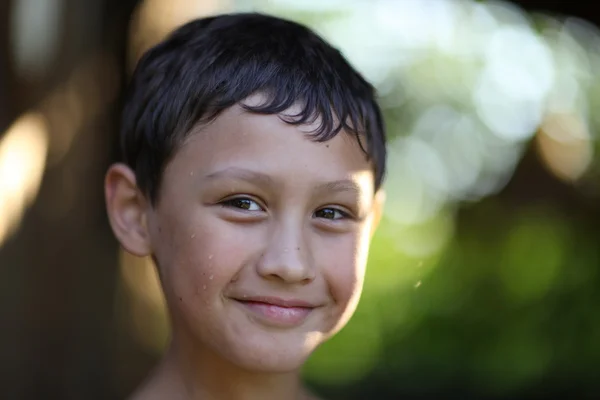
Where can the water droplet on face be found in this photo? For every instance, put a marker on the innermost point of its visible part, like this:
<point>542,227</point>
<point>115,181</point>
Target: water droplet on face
<point>204,287</point>
<point>285,250</point>
<point>191,173</point>
<point>417,284</point>
<point>210,277</point>
<point>193,235</point>
<point>210,257</point>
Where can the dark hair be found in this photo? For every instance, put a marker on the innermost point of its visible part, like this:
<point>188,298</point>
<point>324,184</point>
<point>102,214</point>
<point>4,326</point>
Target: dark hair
<point>213,63</point>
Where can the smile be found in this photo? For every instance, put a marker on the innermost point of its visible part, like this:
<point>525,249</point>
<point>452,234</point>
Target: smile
<point>277,312</point>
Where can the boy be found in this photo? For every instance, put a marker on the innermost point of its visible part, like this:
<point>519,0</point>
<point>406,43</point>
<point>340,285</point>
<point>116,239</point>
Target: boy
<point>253,160</point>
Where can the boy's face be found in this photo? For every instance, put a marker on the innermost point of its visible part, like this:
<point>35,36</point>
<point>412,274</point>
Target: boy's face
<point>261,237</point>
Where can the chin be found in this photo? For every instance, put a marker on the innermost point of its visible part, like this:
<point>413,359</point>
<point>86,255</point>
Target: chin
<point>271,362</point>
<point>272,356</point>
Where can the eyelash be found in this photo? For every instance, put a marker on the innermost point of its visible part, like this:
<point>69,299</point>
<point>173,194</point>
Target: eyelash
<point>343,214</point>
<point>231,203</point>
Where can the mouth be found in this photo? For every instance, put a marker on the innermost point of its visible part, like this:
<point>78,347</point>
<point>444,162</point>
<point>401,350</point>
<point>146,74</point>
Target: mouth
<point>277,312</point>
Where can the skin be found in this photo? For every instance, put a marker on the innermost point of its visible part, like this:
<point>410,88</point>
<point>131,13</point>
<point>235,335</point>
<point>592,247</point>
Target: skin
<point>249,206</point>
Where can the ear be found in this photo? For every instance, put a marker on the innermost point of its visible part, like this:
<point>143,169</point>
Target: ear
<point>378,207</point>
<point>127,210</point>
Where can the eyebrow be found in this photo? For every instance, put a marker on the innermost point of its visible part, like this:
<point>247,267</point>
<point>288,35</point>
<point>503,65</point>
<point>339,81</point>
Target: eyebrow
<point>240,174</point>
<point>259,178</point>
<point>344,185</point>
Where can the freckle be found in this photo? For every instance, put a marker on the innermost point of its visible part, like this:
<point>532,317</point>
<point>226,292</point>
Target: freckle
<point>297,248</point>
<point>211,277</point>
<point>180,299</point>
<point>327,145</point>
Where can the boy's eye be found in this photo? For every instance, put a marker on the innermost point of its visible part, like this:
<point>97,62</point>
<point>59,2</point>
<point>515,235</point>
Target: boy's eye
<point>243,203</point>
<point>331,213</point>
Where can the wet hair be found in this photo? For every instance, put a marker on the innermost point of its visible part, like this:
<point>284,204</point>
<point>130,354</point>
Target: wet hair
<point>210,64</point>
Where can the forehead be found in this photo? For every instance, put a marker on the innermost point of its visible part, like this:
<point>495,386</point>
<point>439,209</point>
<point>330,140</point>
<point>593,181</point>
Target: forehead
<point>241,139</point>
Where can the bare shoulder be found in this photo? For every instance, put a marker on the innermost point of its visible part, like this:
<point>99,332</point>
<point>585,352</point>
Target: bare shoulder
<point>142,394</point>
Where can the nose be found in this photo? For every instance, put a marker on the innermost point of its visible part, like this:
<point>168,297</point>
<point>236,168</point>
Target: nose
<point>286,257</point>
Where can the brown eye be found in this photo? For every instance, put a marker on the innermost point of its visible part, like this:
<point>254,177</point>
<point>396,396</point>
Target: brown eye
<point>243,203</point>
<point>330,213</point>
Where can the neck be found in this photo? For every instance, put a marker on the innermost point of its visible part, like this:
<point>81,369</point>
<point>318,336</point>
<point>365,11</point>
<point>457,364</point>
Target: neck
<point>201,374</point>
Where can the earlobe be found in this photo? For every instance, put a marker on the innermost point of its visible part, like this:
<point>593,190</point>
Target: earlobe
<point>126,207</point>
<point>378,207</point>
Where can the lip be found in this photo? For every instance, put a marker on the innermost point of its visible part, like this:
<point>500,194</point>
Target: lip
<point>277,301</point>
<point>275,311</point>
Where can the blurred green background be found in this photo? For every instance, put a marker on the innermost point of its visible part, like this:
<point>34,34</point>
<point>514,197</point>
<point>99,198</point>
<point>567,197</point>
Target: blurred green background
<point>483,279</point>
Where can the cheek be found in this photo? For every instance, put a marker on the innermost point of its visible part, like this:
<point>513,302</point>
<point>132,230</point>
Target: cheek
<point>202,257</point>
<point>343,269</point>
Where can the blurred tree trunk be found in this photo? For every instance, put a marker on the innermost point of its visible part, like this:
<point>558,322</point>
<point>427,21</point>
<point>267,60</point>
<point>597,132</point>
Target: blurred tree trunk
<point>5,70</point>
<point>59,270</point>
